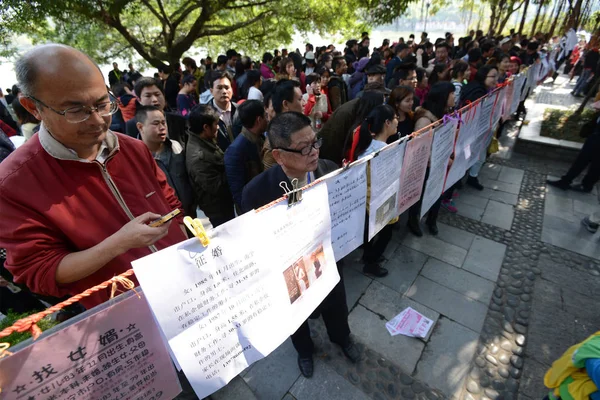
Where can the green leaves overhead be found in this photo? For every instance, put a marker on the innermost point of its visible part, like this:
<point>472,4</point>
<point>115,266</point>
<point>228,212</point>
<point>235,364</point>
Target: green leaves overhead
<point>162,31</point>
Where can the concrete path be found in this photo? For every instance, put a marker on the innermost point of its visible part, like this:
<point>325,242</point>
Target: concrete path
<point>510,281</point>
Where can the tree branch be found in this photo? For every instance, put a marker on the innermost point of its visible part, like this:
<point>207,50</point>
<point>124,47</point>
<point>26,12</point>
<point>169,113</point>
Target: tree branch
<point>184,14</point>
<point>164,14</point>
<point>153,11</point>
<point>260,3</point>
<point>231,28</point>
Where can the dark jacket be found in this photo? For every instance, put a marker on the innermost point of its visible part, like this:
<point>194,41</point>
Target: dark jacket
<point>206,169</point>
<point>113,79</point>
<point>226,135</point>
<point>175,122</point>
<point>6,146</point>
<point>171,85</point>
<point>265,188</point>
<point>338,92</point>
<point>471,92</point>
<point>172,162</point>
<point>335,131</point>
<point>243,162</point>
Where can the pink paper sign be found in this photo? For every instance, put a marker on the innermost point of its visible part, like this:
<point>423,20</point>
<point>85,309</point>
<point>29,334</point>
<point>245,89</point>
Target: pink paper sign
<point>112,354</point>
<point>414,167</point>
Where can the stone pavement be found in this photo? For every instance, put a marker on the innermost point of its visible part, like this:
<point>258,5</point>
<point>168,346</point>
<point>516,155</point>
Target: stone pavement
<point>510,281</point>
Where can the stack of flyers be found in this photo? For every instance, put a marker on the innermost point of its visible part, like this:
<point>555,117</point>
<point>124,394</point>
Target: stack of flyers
<point>409,323</point>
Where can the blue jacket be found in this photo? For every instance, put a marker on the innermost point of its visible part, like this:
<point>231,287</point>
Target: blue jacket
<point>265,188</point>
<point>243,162</point>
<point>389,69</point>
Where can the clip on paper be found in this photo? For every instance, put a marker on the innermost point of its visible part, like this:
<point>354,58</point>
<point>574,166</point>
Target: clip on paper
<point>195,226</point>
<point>294,195</point>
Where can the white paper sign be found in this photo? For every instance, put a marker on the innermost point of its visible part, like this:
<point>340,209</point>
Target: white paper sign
<point>441,149</point>
<point>385,170</point>
<point>268,269</point>
<point>414,167</point>
<point>409,323</point>
<point>347,204</point>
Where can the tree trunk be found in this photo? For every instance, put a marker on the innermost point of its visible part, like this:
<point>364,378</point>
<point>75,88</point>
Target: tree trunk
<point>470,16</point>
<point>537,17</point>
<point>493,18</point>
<point>556,16</point>
<point>574,16</point>
<point>524,17</point>
<point>585,15</point>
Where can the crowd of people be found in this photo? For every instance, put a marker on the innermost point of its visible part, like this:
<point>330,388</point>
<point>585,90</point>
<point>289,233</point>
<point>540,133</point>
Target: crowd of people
<point>216,140</point>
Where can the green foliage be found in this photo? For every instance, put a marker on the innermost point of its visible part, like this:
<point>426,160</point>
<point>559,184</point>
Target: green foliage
<point>162,31</point>
<point>565,125</point>
<point>16,337</point>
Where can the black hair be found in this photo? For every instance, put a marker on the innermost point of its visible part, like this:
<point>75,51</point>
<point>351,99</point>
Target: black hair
<point>248,111</point>
<point>283,126</point>
<point>533,46</point>
<point>221,60</point>
<point>459,67</point>
<point>443,43</point>
<point>145,82</point>
<point>437,98</point>
<point>189,62</point>
<point>202,114</point>
<point>119,89</point>
<point>336,60</point>
<point>141,113</point>
<point>363,52</point>
<point>475,55</point>
<point>231,53</point>
<point>267,57</point>
<point>486,46</point>
<point>314,77</point>
<point>284,91</point>
<point>322,70</point>
<point>483,72</point>
<point>373,123</point>
<point>437,69</point>
<point>165,69</point>
<point>267,87</point>
<point>189,78</point>
<point>252,76</point>
<point>368,101</point>
<point>421,73</point>
<point>428,45</point>
<point>22,114</point>
<point>218,75</point>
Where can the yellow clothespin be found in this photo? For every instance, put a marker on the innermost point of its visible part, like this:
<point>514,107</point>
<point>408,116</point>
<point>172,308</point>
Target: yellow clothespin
<point>195,226</point>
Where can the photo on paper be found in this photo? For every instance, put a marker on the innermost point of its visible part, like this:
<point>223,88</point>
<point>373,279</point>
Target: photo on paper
<point>303,273</point>
<point>384,213</point>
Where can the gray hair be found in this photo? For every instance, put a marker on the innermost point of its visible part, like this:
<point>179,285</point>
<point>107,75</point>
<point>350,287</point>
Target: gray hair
<point>283,126</point>
<point>27,67</point>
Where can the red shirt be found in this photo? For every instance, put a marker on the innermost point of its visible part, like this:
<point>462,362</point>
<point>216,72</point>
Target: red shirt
<point>54,204</point>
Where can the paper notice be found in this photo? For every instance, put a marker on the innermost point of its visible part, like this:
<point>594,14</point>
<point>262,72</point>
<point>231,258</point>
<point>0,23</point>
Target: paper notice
<point>409,323</point>
<point>385,170</point>
<point>112,351</point>
<point>347,204</point>
<point>227,305</point>
<point>413,171</point>
<point>441,149</point>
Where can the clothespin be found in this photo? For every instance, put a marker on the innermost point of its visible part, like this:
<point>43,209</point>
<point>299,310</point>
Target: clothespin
<point>195,226</point>
<point>345,164</point>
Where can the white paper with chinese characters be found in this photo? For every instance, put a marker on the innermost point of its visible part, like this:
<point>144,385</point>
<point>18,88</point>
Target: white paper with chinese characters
<point>347,204</point>
<point>230,304</point>
<point>385,170</point>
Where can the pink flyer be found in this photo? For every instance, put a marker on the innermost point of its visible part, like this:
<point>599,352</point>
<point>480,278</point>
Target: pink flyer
<point>111,354</point>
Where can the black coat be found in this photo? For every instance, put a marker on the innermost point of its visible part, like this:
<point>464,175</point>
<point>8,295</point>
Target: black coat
<point>471,92</point>
<point>206,169</point>
<point>226,136</point>
<point>265,188</point>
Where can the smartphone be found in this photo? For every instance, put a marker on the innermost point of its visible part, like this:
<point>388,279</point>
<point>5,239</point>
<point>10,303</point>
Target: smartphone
<point>164,219</point>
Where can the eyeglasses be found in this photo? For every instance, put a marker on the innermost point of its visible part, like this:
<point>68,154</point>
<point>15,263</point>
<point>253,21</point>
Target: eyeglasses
<point>305,150</point>
<point>492,76</point>
<point>79,114</point>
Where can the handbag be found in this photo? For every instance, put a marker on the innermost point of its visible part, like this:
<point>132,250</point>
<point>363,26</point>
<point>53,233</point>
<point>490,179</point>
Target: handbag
<point>494,146</point>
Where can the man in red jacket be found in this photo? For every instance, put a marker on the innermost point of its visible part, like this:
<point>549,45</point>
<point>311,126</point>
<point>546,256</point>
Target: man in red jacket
<point>76,199</point>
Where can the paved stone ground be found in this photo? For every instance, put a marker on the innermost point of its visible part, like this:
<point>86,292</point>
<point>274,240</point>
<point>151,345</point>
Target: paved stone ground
<point>508,281</point>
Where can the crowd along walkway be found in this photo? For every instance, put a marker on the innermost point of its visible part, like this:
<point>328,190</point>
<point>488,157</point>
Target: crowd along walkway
<point>508,282</point>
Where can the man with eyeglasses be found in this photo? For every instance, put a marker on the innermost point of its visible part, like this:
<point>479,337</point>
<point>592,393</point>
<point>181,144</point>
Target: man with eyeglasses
<point>169,154</point>
<point>76,198</point>
<point>296,150</point>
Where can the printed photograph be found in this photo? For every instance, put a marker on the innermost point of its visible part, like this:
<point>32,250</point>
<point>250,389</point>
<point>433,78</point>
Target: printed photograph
<point>304,273</point>
<point>385,212</point>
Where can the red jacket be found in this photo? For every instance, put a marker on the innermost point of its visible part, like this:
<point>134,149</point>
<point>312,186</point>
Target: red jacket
<point>54,204</point>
